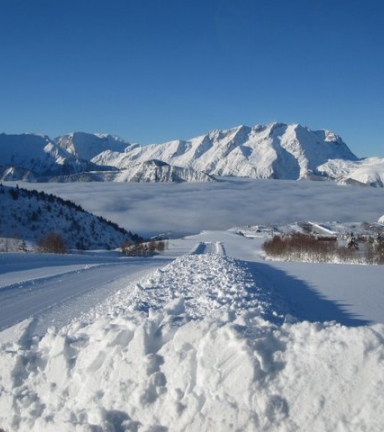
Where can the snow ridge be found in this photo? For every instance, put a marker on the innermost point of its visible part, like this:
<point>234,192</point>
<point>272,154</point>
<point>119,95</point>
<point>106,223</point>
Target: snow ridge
<point>196,285</point>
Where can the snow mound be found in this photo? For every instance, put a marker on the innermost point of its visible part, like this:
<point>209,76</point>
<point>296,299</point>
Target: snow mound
<point>189,349</point>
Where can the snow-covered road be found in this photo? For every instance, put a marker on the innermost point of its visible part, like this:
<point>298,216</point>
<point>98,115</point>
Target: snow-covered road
<point>209,248</point>
<point>55,289</point>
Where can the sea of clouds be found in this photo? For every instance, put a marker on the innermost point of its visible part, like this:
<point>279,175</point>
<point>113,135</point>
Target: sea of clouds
<point>148,208</point>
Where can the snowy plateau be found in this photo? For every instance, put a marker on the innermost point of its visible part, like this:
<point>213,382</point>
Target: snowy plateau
<point>207,336</point>
<point>273,151</point>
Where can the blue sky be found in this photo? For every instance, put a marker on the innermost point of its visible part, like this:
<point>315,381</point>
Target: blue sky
<point>155,70</point>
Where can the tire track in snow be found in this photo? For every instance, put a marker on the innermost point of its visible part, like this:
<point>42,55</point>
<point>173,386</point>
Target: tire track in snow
<point>57,299</point>
<point>204,248</point>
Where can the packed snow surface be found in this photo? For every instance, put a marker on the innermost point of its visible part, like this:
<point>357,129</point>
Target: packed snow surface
<point>208,337</point>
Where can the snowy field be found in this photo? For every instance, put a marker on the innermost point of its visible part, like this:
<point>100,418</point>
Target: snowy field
<point>208,336</point>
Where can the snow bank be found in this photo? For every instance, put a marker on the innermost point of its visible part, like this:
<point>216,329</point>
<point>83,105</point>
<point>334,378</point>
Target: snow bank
<point>135,373</point>
<point>193,347</point>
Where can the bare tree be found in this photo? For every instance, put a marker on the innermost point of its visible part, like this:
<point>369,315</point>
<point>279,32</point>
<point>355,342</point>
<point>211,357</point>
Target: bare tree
<point>52,243</point>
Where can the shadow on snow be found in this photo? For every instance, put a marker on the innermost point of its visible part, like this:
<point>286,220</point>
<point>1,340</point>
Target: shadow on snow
<point>293,297</point>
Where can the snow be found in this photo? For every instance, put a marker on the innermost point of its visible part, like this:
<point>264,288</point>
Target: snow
<point>206,337</point>
<point>276,150</point>
<point>54,288</point>
<point>26,217</point>
<point>87,146</point>
<point>368,171</point>
<point>33,155</point>
<point>157,171</point>
<point>273,151</point>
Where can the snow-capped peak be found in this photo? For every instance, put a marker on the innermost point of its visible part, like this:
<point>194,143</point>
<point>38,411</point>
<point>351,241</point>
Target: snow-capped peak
<point>276,150</point>
<point>86,146</point>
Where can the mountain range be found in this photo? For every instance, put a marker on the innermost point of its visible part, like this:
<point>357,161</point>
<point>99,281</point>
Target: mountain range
<point>273,151</point>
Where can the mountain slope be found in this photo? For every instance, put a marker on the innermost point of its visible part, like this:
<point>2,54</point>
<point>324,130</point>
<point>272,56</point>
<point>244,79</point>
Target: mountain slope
<point>275,151</point>
<point>368,171</point>
<point>30,157</point>
<point>86,146</point>
<point>28,215</point>
<point>156,171</point>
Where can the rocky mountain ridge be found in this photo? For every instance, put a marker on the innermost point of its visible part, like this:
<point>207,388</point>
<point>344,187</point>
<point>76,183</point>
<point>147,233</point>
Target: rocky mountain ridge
<point>274,151</point>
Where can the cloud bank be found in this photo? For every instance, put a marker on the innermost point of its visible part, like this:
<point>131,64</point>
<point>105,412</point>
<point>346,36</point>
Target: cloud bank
<point>187,208</point>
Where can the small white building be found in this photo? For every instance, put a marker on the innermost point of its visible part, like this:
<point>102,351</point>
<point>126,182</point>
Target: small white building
<point>381,220</point>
